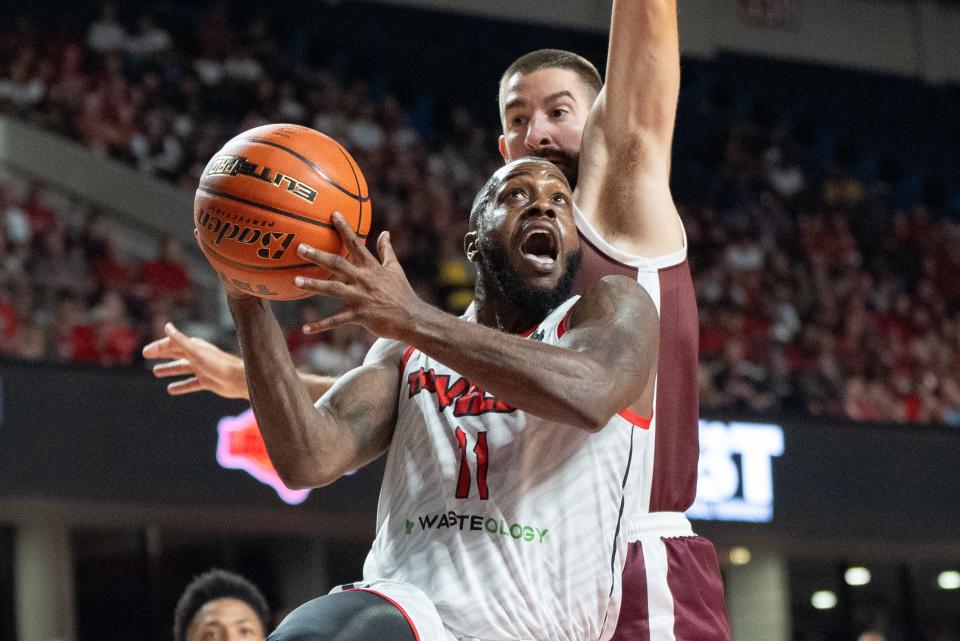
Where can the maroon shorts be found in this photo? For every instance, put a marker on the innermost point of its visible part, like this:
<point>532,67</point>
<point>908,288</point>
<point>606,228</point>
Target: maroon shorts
<point>672,590</point>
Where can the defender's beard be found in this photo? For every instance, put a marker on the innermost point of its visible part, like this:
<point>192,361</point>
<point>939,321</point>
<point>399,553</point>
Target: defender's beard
<point>570,165</point>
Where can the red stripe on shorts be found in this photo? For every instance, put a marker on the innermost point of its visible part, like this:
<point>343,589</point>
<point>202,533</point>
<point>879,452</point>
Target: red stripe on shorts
<point>416,635</point>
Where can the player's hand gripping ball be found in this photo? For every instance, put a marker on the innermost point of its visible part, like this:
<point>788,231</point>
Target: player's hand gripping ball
<point>268,190</point>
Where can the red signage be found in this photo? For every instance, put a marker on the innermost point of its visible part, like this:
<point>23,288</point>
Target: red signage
<point>240,447</point>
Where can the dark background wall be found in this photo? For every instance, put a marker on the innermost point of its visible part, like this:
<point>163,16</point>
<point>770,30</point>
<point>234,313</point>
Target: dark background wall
<point>114,436</point>
<point>93,434</point>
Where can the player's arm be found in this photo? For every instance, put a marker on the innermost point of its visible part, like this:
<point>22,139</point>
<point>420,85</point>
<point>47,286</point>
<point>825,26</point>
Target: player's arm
<point>314,445</point>
<point>209,368</point>
<point>601,367</point>
<point>625,154</point>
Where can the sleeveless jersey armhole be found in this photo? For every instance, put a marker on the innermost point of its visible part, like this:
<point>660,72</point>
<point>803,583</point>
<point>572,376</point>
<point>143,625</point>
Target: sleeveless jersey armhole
<point>640,263</point>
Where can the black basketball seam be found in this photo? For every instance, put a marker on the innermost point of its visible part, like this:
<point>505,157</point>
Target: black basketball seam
<point>313,166</point>
<point>350,164</point>
<point>282,212</point>
<point>240,265</point>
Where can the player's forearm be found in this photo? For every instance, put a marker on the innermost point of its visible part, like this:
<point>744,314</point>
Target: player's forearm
<point>642,24</point>
<point>555,383</point>
<point>296,434</point>
<point>316,385</point>
<point>643,70</point>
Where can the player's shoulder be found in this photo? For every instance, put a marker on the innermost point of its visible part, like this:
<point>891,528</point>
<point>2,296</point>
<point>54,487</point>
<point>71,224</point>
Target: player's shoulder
<point>385,350</point>
<point>620,289</point>
<point>616,299</point>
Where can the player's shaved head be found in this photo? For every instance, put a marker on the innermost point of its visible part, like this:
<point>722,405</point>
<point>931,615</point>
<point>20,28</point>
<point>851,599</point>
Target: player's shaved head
<point>487,194</point>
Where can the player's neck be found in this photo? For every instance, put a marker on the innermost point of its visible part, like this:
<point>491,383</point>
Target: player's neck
<point>499,313</point>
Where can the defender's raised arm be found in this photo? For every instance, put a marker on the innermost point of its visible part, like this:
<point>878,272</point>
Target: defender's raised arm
<point>623,185</point>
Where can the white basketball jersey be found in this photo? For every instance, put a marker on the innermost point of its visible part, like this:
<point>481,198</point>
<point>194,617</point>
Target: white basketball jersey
<point>510,523</point>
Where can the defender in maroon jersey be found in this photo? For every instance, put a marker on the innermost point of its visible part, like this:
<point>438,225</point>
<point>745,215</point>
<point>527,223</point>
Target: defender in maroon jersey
<point>613,141</point>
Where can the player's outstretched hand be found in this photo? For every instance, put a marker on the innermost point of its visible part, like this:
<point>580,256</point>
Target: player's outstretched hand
<point>207,367</point>
<point>375,292</point>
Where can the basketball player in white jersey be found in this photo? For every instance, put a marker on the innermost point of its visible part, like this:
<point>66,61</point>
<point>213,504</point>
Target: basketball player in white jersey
<point>612,141</point>
<point>494,523</point>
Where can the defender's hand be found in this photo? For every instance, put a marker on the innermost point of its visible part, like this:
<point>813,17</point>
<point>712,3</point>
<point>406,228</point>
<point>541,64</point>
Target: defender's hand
<point>375,292</point>
<point>207,367</point>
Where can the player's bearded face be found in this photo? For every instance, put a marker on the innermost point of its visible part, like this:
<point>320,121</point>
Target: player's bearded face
<point>497,273</point>
<point>544,113</point>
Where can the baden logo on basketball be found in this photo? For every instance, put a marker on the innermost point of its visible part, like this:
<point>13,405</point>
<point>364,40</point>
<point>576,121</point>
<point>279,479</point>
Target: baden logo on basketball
<point>240,166</point>
<point>274,243</point>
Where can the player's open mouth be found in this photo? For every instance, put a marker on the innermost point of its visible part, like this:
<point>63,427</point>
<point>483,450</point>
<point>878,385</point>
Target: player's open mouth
<point>540,248</point>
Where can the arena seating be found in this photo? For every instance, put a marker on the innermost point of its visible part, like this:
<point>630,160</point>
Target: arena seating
<point>825,254</point>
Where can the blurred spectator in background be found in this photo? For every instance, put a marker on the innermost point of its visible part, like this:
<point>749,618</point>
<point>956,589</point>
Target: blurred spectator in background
<point>106,34</point>
<point>17,229</point>
<point>116,341</point>
<point>222,606</point>
<point>165,276</point>
<point>25,85</point>
<point>148,42</point>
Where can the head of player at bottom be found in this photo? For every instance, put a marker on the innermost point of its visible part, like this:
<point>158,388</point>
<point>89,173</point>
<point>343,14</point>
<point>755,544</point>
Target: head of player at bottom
<point>523,239</point>
<point>221,606</point>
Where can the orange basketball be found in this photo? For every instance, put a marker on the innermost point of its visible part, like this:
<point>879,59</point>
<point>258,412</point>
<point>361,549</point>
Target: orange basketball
<point>268,190</point>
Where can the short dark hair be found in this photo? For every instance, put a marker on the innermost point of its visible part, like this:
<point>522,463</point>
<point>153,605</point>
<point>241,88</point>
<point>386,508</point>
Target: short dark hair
<point>549,59</point>
<point>482,201</point>
<point>213,585</point>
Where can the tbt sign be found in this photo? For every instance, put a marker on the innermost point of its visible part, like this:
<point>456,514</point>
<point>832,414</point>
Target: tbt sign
<point>736,481</point>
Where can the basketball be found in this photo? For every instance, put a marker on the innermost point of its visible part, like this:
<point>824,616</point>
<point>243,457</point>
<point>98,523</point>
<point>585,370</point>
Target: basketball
<point>268,190</point>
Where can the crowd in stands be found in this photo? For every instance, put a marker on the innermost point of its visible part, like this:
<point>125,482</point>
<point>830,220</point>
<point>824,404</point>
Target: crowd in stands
<point>818,291</point>
<point>69,293</point>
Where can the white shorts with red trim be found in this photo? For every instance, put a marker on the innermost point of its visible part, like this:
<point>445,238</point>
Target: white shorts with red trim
<point>412,602</point>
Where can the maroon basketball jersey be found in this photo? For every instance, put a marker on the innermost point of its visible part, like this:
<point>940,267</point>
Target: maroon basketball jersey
<point>669,475</point>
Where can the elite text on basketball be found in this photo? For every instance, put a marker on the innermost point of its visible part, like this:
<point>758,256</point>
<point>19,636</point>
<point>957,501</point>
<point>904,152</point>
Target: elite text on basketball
<point>238,165</point>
